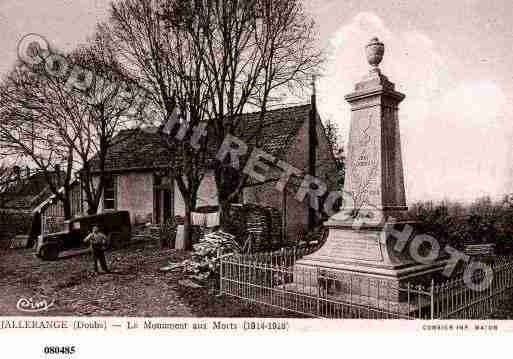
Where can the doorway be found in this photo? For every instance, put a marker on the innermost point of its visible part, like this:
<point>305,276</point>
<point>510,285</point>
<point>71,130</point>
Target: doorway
<point>163,197</point>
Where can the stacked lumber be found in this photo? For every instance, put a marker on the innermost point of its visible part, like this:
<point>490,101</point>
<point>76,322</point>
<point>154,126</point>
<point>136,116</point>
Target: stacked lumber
<point>261,225</point>
<point>257,227</point>
<point>275,228</point>
<point>480,249</point>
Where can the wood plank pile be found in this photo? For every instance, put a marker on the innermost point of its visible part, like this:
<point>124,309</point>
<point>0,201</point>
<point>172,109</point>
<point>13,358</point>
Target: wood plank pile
<point>275,228</point>
<point>257,227</point>
<point>480,249</point>
<point>261,224</point>
<point>145,233</point>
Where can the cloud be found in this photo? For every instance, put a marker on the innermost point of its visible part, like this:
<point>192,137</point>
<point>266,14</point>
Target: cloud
<point>455,135</point>
<point>361,22</point>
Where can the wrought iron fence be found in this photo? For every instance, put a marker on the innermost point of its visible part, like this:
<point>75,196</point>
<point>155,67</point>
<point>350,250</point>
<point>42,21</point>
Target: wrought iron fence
<point>455,299</point>
<point>313,291</point>
<point>273,279</point>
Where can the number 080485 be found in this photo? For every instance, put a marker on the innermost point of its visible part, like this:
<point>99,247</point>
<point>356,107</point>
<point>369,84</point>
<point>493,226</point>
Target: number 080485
<point>59,349</point>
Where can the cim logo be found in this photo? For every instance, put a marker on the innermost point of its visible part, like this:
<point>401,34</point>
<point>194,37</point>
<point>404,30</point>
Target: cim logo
<point>34,306</point>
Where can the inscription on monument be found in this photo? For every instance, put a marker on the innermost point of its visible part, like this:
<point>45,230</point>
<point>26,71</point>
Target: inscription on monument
<point>353,245</point>
<point>364,159</point>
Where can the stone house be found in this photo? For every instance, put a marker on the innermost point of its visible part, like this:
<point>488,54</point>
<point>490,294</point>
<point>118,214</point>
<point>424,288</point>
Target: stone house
<point>141,181</point>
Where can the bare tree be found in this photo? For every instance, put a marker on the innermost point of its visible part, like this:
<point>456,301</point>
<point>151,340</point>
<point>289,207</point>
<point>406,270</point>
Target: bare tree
<point>162,57</point>
<point>26,102</point>
<point>110,105</point>
<point>251,51</point>
<point>63,113</point>
<point>7,179</point>
<point>219,58</point>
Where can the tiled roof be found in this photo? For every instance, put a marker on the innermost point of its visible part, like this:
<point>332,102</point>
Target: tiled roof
<point>27,193</point>
<point>137,149</point>
<point>277,130</point>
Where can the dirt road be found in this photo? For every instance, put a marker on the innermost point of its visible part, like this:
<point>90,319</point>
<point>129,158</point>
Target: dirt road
<point>136,288</point>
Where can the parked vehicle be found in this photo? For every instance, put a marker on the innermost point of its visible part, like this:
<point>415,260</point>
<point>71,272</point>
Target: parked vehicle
<point>116,225</point>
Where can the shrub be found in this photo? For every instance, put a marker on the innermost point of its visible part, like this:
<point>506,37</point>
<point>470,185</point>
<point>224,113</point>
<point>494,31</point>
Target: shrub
<point>482,221</point>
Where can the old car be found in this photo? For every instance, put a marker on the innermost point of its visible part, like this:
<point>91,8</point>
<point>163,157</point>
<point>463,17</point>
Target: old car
<point>115,224</point>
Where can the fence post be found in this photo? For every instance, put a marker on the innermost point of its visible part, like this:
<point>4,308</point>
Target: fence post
<point>271,275</point>
<point>409,301</point>
<point>221,277</point>
<point>432,296</point>
<point>318,272</point>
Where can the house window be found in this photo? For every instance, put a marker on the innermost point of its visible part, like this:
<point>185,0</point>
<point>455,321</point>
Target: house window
<point>110,193</point>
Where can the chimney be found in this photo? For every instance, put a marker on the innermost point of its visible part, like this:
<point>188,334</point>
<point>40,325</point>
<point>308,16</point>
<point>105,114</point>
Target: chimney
<point>312,149</point>
<point>27,171</point>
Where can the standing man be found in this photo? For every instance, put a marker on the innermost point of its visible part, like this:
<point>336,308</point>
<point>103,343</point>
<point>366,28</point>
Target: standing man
<point>99,243</point>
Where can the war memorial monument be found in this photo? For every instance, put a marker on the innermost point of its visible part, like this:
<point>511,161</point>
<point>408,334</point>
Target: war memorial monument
<point>363,237</point>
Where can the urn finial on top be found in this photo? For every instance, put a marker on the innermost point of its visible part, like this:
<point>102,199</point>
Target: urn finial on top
<point>375,50</point>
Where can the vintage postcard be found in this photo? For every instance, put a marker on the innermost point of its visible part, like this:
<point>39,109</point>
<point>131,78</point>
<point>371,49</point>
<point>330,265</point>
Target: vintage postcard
<point>184,167</point>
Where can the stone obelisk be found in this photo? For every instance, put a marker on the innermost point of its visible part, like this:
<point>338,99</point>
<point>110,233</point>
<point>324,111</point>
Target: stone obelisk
<point>374,183</point>
<point>359,239</point>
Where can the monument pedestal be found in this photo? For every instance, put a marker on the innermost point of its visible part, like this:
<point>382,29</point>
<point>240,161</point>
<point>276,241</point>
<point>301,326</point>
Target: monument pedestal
<point>360,245</point>
<point>363,260</point>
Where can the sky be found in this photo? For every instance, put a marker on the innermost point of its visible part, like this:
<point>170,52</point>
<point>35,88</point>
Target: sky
<point>452,59</point>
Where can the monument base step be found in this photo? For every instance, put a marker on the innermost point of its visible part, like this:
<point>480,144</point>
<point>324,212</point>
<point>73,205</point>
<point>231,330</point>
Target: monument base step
<point>403,271</point>
<point>362,305</point>
<point>375,283</point>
